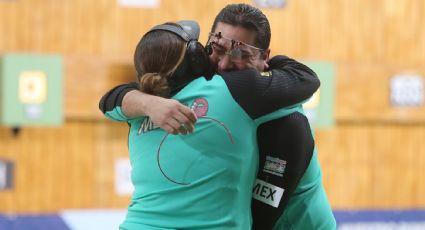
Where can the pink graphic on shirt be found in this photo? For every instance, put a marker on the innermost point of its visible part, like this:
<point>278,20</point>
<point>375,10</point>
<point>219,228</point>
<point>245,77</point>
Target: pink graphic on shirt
<point>200,107</point>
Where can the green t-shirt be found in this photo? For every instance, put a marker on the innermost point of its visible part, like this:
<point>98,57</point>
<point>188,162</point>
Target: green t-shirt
<point>220,174</point>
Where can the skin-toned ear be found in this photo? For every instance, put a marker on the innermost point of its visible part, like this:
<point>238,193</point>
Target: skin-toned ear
<point>265,56</point>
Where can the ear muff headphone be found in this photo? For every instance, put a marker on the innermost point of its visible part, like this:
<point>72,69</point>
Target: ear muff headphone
<point>196,62</point>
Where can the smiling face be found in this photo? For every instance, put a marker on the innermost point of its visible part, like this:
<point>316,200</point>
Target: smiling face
<point>234,49</point>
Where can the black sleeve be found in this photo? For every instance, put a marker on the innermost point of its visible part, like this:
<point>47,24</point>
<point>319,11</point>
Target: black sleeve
<point>114,97</point>
<point>289,82</point>
<point>286,146</point>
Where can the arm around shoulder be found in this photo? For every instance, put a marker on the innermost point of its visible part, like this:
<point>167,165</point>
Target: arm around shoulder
<point>126,102</point>
<point>288,83</point>
<point>298,80</point>
<point>111,103</point>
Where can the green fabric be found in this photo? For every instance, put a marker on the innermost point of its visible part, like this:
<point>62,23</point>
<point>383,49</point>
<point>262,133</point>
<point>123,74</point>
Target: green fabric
<point>221,174</point>
<point>116,114</point>
<point>308,207</point>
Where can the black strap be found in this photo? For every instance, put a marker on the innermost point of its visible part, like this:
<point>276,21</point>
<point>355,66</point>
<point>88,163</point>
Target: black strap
<point>174,29</point>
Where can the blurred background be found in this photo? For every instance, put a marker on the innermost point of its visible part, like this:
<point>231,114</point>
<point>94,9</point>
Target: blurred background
<point>64,166</point>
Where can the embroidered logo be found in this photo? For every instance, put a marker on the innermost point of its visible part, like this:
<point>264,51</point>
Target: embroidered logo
<point>266,74</point>
<point>200,107</point>
<point>274,166</point>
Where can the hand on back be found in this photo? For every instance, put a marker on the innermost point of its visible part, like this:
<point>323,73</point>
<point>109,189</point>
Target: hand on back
<point>171,115</point>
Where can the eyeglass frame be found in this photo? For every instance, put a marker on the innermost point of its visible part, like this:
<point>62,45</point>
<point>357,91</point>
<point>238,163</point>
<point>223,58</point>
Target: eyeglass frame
<point>234,47</point>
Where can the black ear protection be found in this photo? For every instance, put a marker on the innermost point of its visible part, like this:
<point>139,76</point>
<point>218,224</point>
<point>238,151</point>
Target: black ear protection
<point>196,62</point>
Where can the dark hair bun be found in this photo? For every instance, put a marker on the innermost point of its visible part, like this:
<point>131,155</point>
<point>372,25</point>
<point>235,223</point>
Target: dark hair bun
<point>154,84</point>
